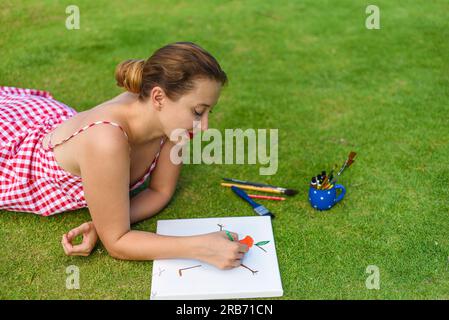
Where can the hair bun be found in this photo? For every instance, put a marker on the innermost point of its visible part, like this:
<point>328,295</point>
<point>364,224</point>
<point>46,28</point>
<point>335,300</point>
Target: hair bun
<point>129,75</point>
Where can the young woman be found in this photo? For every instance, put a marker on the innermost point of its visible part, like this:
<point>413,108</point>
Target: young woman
<point>53,159</point>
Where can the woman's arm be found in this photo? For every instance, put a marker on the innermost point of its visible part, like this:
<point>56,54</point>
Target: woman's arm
<point>144,205</point>
<point>104,166</point>
<point>162,186</point>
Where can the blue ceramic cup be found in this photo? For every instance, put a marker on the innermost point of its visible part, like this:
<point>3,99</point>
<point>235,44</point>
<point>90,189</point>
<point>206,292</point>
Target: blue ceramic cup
<point>326,199</point>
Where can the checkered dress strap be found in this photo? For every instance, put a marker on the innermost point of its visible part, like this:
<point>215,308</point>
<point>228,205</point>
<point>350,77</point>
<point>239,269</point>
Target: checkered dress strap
<point>50,146</point>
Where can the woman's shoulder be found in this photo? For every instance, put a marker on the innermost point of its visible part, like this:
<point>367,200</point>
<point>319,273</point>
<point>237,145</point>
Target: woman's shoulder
<point>100,119</point>
<point>108,129</point>
<point>104,143</point>
<point>98,128</point>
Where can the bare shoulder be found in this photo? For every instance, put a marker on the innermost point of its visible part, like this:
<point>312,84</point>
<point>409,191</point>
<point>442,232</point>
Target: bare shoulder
<point>104,142</point>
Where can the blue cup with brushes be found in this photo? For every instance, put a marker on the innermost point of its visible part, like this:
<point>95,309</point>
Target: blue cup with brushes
<point>323,188</point>
<point>326,199</point>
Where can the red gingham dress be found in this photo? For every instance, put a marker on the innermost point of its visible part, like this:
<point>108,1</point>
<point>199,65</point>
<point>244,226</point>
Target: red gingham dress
<point>30,178</point>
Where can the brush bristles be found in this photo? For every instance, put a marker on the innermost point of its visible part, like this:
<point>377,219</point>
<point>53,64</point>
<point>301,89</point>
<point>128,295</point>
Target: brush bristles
<point>350,162</point>
<point>290,192</point>
<point>261,210</point>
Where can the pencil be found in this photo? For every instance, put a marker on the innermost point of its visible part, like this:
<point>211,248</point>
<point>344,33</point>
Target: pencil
<point>229,235</point>
<point>258,196</point>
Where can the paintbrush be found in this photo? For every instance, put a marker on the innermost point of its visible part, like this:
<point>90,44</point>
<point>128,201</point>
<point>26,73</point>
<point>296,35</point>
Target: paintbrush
<point>289,192</point>
<point>258,208</point>
<point>247,187</point>
<point>347,163</point>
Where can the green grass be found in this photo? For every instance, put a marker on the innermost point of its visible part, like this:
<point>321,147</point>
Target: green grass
<point>310,69</point>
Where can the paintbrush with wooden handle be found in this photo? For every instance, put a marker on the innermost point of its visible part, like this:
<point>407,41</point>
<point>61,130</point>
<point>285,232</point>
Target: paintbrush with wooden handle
<point>347,163</point>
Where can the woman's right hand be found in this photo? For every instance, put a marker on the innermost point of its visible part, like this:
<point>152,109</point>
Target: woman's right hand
<point>218,250</point>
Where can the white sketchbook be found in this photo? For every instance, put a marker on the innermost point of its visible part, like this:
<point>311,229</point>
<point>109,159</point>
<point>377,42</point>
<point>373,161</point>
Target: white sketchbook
<point>182,279</point>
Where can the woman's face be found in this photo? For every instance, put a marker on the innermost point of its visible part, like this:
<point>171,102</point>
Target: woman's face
<point>191,111</point>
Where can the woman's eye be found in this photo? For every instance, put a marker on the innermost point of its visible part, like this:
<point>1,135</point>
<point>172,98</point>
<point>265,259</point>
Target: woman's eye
<point>197,113</point>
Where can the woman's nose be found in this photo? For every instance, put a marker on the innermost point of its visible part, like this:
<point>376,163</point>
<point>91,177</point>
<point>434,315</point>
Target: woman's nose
<point>205,123</point>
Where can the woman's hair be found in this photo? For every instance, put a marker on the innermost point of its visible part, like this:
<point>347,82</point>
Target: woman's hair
<point>173,68</point>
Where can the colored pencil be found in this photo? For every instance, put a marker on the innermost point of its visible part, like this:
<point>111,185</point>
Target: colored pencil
<point>258,196</point>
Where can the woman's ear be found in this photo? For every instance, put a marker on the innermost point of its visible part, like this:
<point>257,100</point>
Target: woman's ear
<point>157,97</point>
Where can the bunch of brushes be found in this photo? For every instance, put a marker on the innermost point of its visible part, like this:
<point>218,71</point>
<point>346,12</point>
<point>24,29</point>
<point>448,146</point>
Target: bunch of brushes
<point>325,182</point>
<point>238,186</point>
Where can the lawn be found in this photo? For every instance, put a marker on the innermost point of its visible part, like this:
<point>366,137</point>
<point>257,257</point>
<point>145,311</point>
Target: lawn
<point>310,69</point>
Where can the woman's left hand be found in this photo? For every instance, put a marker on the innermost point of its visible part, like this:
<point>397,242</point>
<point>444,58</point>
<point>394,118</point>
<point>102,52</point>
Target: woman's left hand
<point>90,238</point>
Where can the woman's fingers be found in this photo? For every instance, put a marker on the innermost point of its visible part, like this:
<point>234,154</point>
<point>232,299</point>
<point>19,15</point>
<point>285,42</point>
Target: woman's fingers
<point>85,247</point>
<point>243,248</point>
<point>237,263</point>
<point>63,245</point>
<point>82,249</point>
<point>66,245</point>
<point>84,228</point>
<point>235,236</point>
<point>72,234</point>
